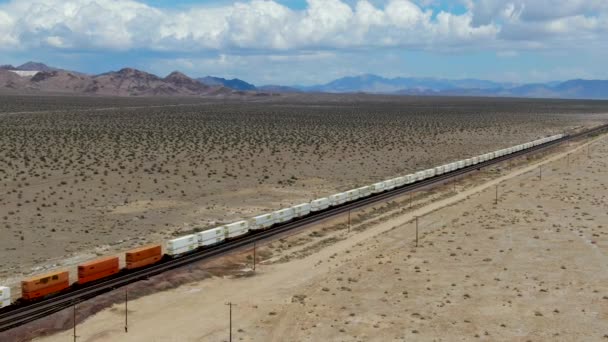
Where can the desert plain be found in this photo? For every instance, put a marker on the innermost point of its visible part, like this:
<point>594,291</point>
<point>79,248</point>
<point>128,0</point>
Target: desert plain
<point>528,265</point>
<point>82,177</point>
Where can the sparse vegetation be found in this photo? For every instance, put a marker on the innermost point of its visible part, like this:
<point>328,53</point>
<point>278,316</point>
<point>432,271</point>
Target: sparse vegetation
<point>95,174</point>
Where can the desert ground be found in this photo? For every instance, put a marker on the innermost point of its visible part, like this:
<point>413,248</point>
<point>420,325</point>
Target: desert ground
<point>531,267</point>
<point>82,177</point>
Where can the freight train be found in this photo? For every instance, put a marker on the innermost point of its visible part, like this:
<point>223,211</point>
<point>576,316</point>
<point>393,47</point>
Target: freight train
<point>41,286</point>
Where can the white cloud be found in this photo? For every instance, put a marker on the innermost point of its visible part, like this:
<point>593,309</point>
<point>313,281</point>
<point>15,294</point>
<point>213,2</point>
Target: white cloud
<point>251,25</point>
<point>265,27</point>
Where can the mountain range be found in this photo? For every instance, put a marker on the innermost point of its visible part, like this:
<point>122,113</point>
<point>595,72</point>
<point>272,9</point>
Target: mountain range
<point>33,76</point>
<point>125,82</point>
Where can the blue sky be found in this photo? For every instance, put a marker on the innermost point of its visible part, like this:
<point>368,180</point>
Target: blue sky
<point>313,41</point>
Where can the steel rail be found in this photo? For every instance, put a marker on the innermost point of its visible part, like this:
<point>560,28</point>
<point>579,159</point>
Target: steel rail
<point>19,315</point>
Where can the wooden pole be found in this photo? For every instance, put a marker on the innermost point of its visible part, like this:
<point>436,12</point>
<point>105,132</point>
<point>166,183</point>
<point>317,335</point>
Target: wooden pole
<point>411,194</point>
<point>254,255</point>
<point>230,319</point>
<point>416,231</point>
<point>74,321</point>
<point>540,173</point>
<point>126,310</point>
<point>349,220</point>
<point>496,200</point>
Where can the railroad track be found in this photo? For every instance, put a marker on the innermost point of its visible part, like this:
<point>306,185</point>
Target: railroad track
<point>19,315</point>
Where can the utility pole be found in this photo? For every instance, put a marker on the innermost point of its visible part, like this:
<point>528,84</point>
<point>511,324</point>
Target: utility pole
<point>230,329</point>
<point>411,194</point>
<point>349,220</point>
<point>126,310</point>
<point>496,200</point>
<point>254,255</point>
<point>74,321</point>
<point>416,231</point>
<point>540,173</point>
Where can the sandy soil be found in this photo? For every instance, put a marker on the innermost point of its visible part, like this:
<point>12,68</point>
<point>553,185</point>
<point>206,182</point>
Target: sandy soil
<point>534,267</point>
<point>86,177</point>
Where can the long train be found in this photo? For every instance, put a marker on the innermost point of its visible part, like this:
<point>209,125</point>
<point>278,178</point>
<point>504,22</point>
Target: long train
<point>49,284</point>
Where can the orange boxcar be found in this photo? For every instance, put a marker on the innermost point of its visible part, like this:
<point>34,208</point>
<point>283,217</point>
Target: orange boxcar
<point>42,285</point>
<point>143,256</point>
<point>145,262</point>
<point>97,269</point>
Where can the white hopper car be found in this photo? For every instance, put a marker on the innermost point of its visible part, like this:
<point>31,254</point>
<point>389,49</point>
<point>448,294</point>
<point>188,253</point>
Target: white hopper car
<point>319,204</point>
<point>365,191</point>
<point>337,199</point>
<point>182,245</point>
<point>301,210</point>
<point>284,215</point>
<point>262,221</point>
<point>352,195</point>
<point>211,237</point>
<point>236,229</point>
<point>378,187</point>
<point>5,296</point>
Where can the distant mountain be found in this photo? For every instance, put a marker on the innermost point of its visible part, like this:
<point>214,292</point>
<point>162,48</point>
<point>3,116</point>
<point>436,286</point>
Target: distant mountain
<point>39,77</point>
<point>125,82</point>
<point>278,89</point>
<point>370,83</point>
<point>235,83</point>
<point>36,66</point>
<point>573,89</point>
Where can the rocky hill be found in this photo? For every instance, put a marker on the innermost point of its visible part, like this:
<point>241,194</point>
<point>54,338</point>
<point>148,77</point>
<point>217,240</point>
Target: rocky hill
<point>125,82</point>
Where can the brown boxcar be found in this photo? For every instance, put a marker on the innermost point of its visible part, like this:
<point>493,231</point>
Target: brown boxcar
<point>143,256</point>
<point>45,284</point>
<point>97,269</point>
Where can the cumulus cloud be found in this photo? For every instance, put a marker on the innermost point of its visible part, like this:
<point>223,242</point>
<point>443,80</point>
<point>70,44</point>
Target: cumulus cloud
<point>250,25</point>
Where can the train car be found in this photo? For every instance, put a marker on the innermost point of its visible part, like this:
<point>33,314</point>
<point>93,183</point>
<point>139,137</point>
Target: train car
<point>352,195</point>
<point>475,160</point>
<point>319,204</point>
<point>389,184</point>
<point>429,173</point>
<point>211,236</point>
<point>400,181</point>
<point>237,229</point>
<point>378,187</point>
<point>460,164</point>
<point>301,210</point>
<point>439,170</point>
<point>411,178</point>
<point>5,296</point>
<point>43,285</point>
<point>337,199</point>
<point>468,162</point>
<point>365,191</point>
<point>97,269</point>
<point>182,245</point>
<point>262,221</point>
<point>283,215</point>
<point>419,176</point>
<point>143,256</point>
